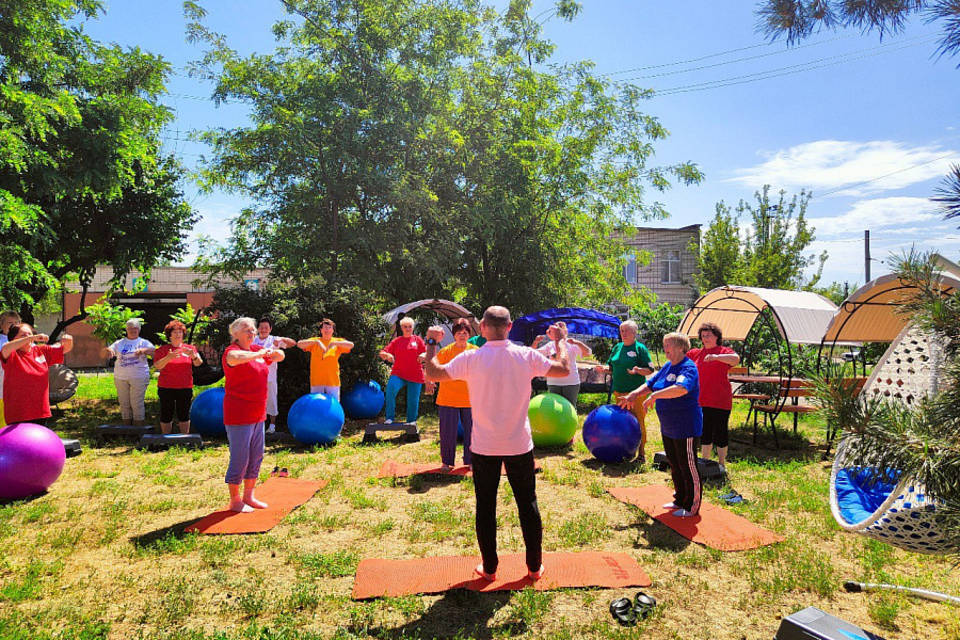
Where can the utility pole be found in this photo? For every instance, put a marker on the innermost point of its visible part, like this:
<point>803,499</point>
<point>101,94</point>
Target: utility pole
<point>866,254</point>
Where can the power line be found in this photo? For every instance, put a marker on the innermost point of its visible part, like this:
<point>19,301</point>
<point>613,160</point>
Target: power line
<point>784,71</point>
<point>679,62</point>
<point>720,64</point>
<point>886,175</point>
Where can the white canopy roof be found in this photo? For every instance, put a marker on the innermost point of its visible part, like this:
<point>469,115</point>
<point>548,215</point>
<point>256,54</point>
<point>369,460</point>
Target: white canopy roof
<point>445,308</point>
<point>801,316</point>
<point>871,313</point>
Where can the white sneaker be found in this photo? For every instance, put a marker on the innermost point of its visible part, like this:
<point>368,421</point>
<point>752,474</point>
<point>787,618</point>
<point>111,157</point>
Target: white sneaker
<point>388,421</point>
<point>272,428</point>
<point>671,505</point>
<point>682,513</point>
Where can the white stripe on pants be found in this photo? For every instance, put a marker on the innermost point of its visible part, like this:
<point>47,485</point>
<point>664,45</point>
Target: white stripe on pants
<point>130,393</point>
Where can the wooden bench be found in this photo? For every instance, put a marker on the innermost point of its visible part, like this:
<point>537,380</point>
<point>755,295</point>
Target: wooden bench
<point>786,401</point>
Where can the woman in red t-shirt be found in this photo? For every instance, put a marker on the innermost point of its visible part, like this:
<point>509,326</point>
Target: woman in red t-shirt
<point>26,359</point>
<point>406,354</point>
<point>716,395</point>
<point>175,362</point>
<point>245,368</point>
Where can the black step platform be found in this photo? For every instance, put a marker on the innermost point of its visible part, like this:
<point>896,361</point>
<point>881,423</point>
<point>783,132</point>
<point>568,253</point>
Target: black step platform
<point>155,441</point>
<point>710,470</point>
<point>72,447</point>
<point>409,429</point>
<point>108,431</point>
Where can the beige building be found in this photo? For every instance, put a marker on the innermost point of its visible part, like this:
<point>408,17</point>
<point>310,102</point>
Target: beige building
<point>168,289</point>
<point>669,273</point>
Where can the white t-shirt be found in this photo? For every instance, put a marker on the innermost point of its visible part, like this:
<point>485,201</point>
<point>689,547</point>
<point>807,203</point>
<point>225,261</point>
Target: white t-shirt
<point>268,344</point>
<point>498,375</point>
<point>573,352</point>
<point>129,365</point>
<point>3,340</point>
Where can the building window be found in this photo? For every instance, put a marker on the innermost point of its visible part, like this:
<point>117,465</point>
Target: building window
<point>671,267</point>
<point>253,284</point>
<point>630,269</point>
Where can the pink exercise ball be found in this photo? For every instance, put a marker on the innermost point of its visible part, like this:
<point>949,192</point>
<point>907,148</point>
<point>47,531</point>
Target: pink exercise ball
<point>31,459</point>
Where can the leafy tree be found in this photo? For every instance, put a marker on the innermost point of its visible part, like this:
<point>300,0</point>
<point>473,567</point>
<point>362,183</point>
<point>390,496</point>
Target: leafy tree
<point>718,251</point>
<point>109,320</point>
<point>656,321</point>
<point>770,252</point>
<point>798,19</point>
<point>295,311</point>
<point>419,149</point>
<point>82,181</point>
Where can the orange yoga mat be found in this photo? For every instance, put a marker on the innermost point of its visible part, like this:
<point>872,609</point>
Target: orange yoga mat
<point>394,469</point>
<point>714,527</point>
<point>377,578</point>
<point>282,494</point>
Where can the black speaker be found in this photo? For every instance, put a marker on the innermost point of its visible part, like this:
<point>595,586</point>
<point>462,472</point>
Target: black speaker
<point>814,624</point>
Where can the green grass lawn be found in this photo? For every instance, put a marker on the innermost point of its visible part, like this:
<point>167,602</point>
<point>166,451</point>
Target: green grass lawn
<point>103,554</point>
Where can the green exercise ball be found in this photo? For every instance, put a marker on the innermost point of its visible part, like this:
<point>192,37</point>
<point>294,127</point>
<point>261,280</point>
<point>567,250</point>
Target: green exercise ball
<point>553,420</point>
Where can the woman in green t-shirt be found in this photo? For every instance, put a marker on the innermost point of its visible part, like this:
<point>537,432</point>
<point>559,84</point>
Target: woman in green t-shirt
<point>628,365</point>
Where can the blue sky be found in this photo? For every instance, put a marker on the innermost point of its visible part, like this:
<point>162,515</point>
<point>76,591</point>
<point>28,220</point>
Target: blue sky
<point>869,125</point>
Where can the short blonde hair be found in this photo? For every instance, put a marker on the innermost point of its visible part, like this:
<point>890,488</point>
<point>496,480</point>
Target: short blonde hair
<point>680,339</point>
<point>239,324</point>
<point>408,320</point>
<point>630,324</point>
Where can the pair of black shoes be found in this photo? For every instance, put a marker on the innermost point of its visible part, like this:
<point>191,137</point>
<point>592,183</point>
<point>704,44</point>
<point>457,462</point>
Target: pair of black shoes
<point>628,613</point>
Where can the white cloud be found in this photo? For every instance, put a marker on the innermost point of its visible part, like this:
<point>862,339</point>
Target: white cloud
<point>878,213</point>
<point>828,165</point>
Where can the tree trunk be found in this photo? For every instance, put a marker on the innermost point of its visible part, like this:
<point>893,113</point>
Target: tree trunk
<point>81,315</point>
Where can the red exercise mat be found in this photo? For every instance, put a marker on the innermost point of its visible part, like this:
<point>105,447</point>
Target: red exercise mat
<point>282,494</point>
<point>714,527</point>
<point>377,578</point>
<point>394,469</point>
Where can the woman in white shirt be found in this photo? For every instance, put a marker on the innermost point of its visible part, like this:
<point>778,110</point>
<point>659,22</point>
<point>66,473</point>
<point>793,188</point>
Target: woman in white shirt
<point>569,385</point>
<point>131,372</point>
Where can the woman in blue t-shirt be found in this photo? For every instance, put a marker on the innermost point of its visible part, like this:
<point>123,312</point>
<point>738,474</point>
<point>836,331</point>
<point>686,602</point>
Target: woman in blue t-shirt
<point>675,389</point>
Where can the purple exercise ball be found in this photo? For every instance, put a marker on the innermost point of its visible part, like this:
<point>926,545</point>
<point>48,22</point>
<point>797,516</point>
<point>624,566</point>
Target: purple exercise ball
<point>31,459</point>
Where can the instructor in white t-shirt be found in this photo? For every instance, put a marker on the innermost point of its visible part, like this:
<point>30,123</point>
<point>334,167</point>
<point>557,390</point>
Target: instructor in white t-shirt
<point>498,376</point>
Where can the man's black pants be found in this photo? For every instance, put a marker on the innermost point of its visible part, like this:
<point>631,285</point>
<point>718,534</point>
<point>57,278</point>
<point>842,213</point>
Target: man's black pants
<point>522,478</point>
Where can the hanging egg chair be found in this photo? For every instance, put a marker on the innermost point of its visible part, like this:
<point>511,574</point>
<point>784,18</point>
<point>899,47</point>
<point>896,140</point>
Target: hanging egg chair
<point>885,506</point>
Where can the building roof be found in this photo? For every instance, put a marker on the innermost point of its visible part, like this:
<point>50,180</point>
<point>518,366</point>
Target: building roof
<point>801,316</point>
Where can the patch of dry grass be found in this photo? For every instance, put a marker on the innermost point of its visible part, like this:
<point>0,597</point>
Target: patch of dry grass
<point>104,553</point>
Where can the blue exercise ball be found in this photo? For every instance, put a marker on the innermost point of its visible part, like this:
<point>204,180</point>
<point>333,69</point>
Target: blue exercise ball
<point>206,413</point>
<point>363,400</point>
<point>612,434</point>
<point>315,418</point>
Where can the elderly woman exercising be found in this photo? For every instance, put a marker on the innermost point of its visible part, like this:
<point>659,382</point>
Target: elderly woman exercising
<point>405,352</point>
<point>26,359</point>
<point>675,389</point>
<point>628,365</point>
<point>246,367</point>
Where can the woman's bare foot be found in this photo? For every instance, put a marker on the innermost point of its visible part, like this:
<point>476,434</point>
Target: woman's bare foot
<point>240,507</point>
<point>253,502</point>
